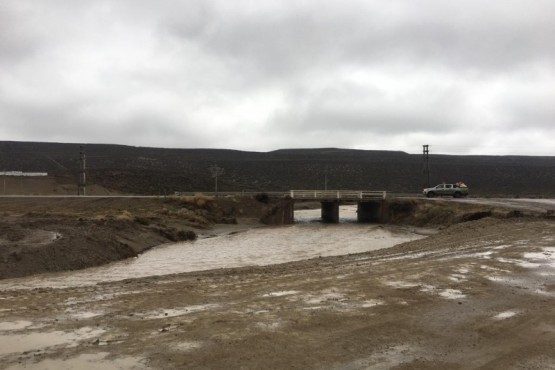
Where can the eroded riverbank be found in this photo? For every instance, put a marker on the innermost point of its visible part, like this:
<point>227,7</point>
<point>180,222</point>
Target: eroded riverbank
<point>476,295</point>
<point>40,235</point>
<point>259,246</point>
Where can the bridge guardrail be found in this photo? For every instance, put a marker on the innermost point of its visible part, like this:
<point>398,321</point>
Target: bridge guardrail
<point>307,194</point>
<point>337,194</point>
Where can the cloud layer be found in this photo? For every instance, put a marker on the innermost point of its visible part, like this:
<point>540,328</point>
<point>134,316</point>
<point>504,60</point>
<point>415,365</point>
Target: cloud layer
<point>464,77</point>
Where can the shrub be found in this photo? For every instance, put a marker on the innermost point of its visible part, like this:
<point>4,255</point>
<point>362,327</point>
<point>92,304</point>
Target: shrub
<point>475,216</point>
<point>124,216</point>
<point>202,200</point>
<point>142,220</point>
<point>262,198</point>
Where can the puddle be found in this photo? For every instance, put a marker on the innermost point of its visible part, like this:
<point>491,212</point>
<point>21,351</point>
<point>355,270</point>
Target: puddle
<point>457,278</point>
<point>534,260</point>
<point>409,255</point>
<point>85,362</point>
<point>314,308</point>
<point>504,315</point>
<point>508,260</point>
<point>528,265</point>
<point>269,325</point>
<point>451,294</point>
<point>188,346</point>
<point>546,257</point>
<point>280,294</point>
<point>13,343</point>
<point>338,301</point>
<point>491,268</point>
<point>14,325</point>
<point>83,315</point>
<point>444,293</point>
<point>173,312</point>
<point>480,255</point>
<point>325,297</point>
<point>372,303</point>
<point>401,284</point>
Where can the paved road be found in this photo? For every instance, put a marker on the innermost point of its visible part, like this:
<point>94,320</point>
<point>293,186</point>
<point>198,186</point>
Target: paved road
<point>82,196</point>
<point>536,205</point>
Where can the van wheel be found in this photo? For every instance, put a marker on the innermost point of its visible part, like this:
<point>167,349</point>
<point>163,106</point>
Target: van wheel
<point>430,194</point>
<point>457,195</point>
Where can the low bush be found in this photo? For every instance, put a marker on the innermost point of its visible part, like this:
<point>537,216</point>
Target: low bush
<point>142,220</point>
<point>262,198</point>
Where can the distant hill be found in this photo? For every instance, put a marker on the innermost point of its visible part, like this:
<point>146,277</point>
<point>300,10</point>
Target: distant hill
<point>143,170</point>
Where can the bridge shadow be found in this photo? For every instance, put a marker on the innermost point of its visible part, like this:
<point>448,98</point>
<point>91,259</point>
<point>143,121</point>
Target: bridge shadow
<point>334,212</point>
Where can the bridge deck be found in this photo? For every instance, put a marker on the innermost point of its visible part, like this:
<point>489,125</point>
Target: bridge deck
<point>337,194</point>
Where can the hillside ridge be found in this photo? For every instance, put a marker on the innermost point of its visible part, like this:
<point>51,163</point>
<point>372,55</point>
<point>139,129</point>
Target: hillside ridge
<point>149,170</point>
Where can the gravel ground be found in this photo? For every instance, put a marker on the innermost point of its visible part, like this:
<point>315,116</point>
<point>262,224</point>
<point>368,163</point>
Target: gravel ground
<point>476,295</point>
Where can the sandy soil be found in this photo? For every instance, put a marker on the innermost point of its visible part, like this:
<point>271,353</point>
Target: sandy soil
<point>56,234</point>
<point>476,295</point>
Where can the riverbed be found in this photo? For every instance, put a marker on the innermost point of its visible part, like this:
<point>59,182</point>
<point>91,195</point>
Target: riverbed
<point>307,238</point>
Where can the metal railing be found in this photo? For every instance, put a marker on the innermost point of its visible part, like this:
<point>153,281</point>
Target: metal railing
<point>337,194</point>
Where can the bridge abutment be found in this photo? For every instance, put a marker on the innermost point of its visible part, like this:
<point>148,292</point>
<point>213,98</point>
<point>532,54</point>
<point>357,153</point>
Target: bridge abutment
<point>330,211</point>
<point>370,211</point>
<point>372,206</point>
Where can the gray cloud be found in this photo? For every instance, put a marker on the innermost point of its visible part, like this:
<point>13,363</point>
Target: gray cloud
<point>472,77</point>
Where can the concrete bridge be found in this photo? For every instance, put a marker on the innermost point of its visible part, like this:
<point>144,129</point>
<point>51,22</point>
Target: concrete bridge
<point>370,204</point>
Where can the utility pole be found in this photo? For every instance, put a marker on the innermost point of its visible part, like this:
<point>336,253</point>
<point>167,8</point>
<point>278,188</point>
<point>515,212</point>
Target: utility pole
<point>216,171</point>
<point>326,178</point>
<point>426,156</point>
<point>81,186</point>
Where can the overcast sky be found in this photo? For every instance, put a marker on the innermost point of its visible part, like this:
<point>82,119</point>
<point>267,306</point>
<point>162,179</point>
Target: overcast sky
<point>465,77</point>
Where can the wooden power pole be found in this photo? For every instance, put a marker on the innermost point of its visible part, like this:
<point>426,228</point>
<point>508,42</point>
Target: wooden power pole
<point>81,186</point>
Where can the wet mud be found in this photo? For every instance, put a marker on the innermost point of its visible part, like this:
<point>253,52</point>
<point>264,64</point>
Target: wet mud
<point>476,294</point>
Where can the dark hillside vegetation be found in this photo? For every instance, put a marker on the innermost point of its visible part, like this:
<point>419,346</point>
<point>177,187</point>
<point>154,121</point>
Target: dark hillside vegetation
<point>143,170</point>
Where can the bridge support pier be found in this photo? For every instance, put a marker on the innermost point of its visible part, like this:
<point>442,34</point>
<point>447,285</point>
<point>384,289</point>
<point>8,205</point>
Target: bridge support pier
<point>370,211</point>
<point>330,212</point>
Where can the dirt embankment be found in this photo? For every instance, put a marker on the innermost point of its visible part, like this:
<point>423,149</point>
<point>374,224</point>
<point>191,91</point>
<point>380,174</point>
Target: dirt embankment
<point>54,234</point>
<point>443,213</point>
<point>476,295</point>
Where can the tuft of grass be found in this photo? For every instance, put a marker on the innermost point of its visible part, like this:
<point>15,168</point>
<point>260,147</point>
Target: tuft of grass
<point>202,200</point>
<point>124,216</point>
<point>199,199</point>
<point>262,198</point>
<point>436,215</point>
<point>191,216</point>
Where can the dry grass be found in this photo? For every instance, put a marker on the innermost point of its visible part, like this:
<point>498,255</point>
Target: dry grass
<point>124,216</point>
<point>191,216</point>
<point>200,200</point>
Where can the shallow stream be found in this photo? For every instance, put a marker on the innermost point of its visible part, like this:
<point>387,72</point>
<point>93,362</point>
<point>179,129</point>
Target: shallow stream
<point>306,239</point>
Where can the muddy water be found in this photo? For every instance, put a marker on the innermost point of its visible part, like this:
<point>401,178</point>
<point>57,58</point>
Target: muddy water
<point>307,239</point>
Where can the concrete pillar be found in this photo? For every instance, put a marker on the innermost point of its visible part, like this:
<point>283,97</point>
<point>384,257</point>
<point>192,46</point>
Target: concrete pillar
<point>330,212</point>
<point>370,211</point>
<point>289,214</point>
<point>279,213</point>
<point>386,211</point>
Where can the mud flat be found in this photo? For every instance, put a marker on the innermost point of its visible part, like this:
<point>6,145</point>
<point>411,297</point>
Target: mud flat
<point>477,294</point>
